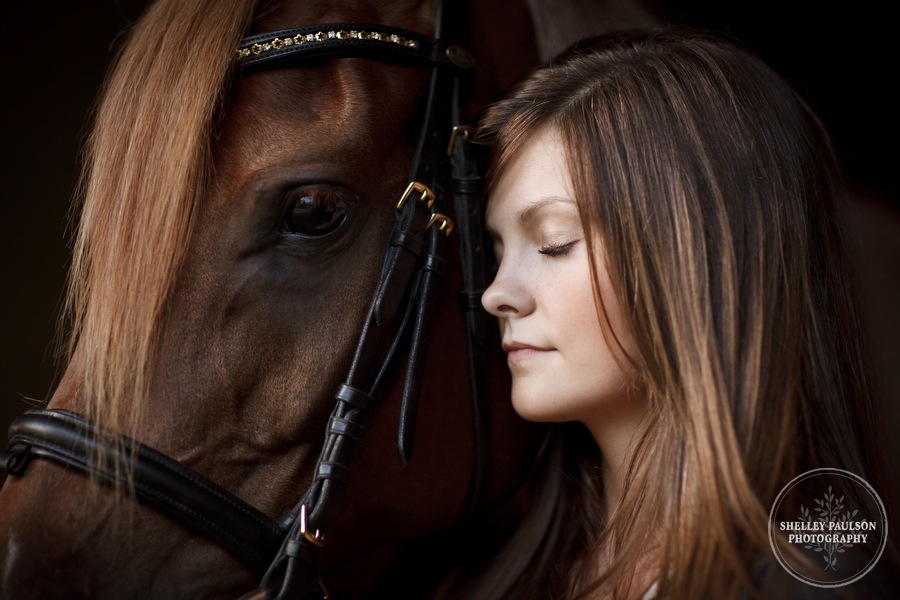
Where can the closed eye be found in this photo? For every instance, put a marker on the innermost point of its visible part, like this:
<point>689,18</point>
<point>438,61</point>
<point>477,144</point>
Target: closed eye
<point>557,249</point>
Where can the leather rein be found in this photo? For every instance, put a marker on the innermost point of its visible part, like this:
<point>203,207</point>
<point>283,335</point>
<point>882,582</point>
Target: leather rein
<point>399,317</point>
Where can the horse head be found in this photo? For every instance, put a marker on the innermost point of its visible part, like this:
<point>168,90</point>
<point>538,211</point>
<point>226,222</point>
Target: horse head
<point>231,241</point>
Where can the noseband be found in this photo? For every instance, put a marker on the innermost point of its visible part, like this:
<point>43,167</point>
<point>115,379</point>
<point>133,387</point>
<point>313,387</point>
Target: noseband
<point>399,319</point>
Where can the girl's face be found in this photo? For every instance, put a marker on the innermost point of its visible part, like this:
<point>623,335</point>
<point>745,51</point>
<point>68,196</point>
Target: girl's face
<point>563,368</point>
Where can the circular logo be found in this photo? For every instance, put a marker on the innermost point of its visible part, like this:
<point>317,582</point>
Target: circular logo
<point>828,527</point>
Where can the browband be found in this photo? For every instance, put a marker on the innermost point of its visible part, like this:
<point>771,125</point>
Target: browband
<point>364,40</point>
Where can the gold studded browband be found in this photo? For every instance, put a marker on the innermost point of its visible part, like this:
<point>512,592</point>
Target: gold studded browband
<point>320,35</point>
<point>344,39</point>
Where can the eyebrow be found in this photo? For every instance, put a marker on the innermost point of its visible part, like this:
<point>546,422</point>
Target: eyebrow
<point>528,213</point>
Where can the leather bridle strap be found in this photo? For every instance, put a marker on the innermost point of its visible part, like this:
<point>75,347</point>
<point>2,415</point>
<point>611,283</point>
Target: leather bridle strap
<point>411,267</point>
<point>467,192</point>
<point>432,164</point>
<point>194,501</point>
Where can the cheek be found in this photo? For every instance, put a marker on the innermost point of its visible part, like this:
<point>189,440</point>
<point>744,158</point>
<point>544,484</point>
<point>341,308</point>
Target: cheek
<point>594,360</point>
<point>574,303</point>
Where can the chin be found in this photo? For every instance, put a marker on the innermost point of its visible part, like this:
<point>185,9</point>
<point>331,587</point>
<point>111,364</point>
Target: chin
<point>537,408</point>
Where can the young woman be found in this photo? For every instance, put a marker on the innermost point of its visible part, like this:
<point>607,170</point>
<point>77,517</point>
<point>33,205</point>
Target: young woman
<point>673,296</point>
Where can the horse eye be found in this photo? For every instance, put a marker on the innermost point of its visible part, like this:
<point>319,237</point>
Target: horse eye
<point>314,212</point>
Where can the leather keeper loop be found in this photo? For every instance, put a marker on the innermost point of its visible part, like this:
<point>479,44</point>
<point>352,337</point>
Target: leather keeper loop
<point>332,470</point>
<point>470,301</point>
<point>346,428</point>
<point>405,240</point>
<point>468,186</point>
<point>354,397</point>
<point>292,548</point>
<point>435,264</point>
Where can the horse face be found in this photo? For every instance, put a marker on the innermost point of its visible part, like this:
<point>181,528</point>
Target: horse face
<point>279,299</point>
<point>283,260</point>
<point>308,163</point>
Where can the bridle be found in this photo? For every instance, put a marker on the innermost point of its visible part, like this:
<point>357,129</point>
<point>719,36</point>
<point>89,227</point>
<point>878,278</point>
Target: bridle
<point>399,318</point>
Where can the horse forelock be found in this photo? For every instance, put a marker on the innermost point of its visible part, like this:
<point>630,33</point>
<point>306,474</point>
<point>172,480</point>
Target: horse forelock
<point>146,167</point>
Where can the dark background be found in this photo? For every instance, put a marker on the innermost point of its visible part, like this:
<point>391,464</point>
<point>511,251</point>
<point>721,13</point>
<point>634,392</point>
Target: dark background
<point>55,55</point>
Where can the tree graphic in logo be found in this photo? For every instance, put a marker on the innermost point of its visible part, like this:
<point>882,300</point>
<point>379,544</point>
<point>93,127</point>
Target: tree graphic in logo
<point>829,511</point>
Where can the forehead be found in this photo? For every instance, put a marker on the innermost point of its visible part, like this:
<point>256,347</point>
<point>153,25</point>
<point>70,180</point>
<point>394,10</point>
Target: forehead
<point>538,170</point>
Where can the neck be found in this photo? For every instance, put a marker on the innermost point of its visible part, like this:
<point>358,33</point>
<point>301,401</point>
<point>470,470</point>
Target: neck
<point>616,434</point>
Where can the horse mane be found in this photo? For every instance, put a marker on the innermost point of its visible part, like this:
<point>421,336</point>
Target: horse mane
<point>147,162</point>
<point>558,25</point>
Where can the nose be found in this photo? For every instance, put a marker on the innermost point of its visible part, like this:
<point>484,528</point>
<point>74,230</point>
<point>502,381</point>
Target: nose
<point>508,296</point>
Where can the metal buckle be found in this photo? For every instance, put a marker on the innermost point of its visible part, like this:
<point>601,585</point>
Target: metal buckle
<point>316,539</point>
<point>464,130</point>
<point>459,56</point>
<point>444,222</point>
<point>426,195</point>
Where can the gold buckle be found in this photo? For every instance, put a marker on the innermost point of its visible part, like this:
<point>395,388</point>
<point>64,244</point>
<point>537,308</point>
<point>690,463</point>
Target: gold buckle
<point>446,223</point>
<point>464,131</point>
<point>426,195</point>
<point>316,539</point>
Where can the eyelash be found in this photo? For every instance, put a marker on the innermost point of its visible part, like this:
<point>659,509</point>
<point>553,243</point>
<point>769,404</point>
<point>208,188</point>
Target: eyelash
<point>560,250</point>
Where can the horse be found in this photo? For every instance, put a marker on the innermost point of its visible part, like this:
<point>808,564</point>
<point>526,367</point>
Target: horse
<point>232,236</point>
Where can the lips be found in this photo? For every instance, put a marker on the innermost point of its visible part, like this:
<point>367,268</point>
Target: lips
<point>518,351</point>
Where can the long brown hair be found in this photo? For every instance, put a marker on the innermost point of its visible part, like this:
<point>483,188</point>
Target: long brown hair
<point>147,163</point>
<point>712,189</point>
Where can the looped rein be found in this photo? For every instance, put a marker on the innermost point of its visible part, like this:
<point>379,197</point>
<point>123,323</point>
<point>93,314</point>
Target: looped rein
<point>399,317</point>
